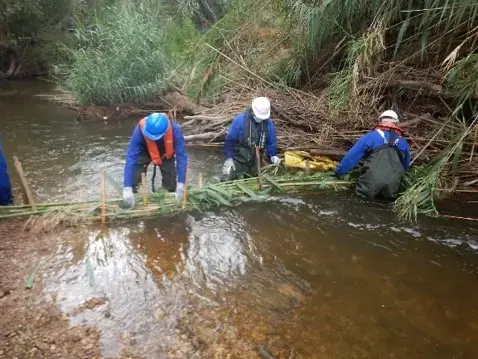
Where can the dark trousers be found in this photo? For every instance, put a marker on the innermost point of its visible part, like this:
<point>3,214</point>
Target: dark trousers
<point>385,191</point>
<point>168,173</point>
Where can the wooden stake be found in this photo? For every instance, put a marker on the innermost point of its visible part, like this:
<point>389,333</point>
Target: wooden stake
<point>144,189</point>
<point>200,179</point>
<point>103,197</point>
<point>25,185</point>
<point>258,162</point>
<point>185,195</point>
<point>307,166</point>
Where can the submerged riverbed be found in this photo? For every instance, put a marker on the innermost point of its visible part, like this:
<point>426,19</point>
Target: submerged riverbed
<point>320,276</point>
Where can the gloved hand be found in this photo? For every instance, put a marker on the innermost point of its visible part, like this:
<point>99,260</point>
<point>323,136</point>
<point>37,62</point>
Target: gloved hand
<point>228,167</point>
<point>179,191</point>
<point>128,197</point>
<point>275,160</point>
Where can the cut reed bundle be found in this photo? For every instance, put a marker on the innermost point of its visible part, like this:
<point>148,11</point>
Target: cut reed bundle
<point>228,194</point>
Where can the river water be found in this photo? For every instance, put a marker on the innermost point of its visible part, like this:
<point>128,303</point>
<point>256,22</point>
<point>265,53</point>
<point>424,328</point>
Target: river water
<point>322,276</point>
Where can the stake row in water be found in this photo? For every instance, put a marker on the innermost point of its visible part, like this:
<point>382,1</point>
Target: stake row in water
<point>198,198</point>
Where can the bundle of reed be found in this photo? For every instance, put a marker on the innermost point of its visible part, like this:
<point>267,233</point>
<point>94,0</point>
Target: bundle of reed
<point>200,198</point>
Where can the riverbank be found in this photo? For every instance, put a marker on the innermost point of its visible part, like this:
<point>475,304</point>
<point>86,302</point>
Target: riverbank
<point>31,325</point>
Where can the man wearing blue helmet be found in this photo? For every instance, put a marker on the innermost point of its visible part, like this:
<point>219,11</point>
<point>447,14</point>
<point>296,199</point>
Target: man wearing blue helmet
<point>159,140</point>
<point>6,197</point>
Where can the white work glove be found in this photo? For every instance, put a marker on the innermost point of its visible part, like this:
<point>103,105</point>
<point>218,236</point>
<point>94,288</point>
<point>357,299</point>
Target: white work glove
<point>179,191</point>
<point>275,160</point>
<point>128,197</point>
<point>228,166</point>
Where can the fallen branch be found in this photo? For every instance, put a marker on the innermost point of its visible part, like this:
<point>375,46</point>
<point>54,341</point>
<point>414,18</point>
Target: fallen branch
<point>432,88</point>
<point>415,121</point>
<point>202,137</point>
<point>206,118</point>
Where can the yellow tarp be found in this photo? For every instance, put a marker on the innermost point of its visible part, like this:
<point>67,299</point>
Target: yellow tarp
<point>297,159</point>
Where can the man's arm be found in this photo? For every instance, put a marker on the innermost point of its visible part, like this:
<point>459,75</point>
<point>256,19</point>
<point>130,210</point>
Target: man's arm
<point>135,147</point>
<point>354,155</point>
<point>232,136</point>
<point>406,157</point>
<point>271,143</point>
<point>181,154</point>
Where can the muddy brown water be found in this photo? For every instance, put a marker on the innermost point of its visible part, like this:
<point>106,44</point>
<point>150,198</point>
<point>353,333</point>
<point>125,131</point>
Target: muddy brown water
<point>319,276</point>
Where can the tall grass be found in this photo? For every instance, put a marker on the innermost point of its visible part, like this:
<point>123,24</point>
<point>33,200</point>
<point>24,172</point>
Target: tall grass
<point>416,33</point>
<point>363,56</point>
<point>328,20</point>
<point>422,184</point>
<point>252,43</point>
<point>130,53</point>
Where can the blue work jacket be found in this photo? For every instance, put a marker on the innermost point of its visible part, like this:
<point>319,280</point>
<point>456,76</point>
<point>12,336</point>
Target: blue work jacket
<point>137,146</point>
<point>367,142</point>
<point>6,197</point>
<point>235,134</point>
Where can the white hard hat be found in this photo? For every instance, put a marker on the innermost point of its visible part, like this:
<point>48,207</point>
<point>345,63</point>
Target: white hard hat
<point>261,108</point>
<point>390,116</point>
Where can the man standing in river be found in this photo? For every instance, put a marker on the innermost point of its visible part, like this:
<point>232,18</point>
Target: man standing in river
<point>6,197</point>
<point>386,157</point>
<point>250,130</point>
<point>159,140</point>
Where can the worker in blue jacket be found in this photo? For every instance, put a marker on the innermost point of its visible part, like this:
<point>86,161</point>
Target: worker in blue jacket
<point>6,197</point>
<point>250,129</point>
<point>159,140</point>
<point>386,157</point>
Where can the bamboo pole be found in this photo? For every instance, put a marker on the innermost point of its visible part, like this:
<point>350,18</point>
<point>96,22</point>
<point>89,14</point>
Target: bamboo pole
<point>103,197</point>
<point>144,189</point>
<point>258,163</point>
<point>200,180</point>
<point>307,166</point>
<point>25,185</point>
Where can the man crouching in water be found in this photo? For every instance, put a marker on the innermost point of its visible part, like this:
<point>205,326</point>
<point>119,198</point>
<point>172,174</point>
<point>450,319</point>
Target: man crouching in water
<point>386,157</point>
<point>250,130</point>
<point>159,140</point>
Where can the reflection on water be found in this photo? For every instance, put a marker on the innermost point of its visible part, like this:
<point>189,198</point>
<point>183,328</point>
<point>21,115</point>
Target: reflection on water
<point>288,277</point>
<point>326,276</point>
<point>216,249</point>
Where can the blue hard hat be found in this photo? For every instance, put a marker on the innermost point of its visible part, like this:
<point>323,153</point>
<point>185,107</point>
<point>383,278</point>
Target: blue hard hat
<point>156,126</point>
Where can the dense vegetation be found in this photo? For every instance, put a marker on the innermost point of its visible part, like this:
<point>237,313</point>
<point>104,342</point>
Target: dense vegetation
<point>112,51</point>
<point>130,52</point>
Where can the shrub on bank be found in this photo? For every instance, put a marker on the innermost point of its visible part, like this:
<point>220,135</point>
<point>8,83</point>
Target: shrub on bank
<point>129,53</point>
